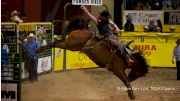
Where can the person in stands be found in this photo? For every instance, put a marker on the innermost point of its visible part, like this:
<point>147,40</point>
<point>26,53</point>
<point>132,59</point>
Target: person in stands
<point>129,26</point>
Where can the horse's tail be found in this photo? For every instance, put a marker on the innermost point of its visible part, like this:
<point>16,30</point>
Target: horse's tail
<point>139,66</point>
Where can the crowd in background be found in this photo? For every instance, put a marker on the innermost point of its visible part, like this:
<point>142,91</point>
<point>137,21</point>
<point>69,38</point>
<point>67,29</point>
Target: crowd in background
<point>154,25</point>
<point>152,5</point>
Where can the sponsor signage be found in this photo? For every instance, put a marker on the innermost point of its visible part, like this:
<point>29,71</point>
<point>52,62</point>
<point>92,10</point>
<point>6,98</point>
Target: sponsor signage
<point>44,64</point>
<point>87,2</point>
<point>143,17</point>
<point>172,17</point>
<point>8,92</point>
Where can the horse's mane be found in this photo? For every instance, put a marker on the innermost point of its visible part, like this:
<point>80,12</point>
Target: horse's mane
<point>139,56</point>
<point>75,23</point>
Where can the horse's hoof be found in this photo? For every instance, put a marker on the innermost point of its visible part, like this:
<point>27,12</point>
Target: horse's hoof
<point>132,97</point>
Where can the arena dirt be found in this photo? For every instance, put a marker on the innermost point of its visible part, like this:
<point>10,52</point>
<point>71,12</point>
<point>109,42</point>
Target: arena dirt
<point>98,84</point>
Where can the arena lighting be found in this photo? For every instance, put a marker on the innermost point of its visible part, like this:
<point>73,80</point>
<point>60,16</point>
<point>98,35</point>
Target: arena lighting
<point>172,29</point>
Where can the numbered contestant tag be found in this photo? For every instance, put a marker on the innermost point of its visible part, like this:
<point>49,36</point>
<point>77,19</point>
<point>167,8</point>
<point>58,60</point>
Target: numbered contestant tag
<point>86,2</point>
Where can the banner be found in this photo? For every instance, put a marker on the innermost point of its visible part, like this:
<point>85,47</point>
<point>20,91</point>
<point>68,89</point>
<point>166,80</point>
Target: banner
<point>143,17</point>
<point>76,60</point>
<point>44,64</point>
<point>172,17</point>
<point>9,92</point>
<point>140,18</point>
<point>58,59</point>
<point>32,26</point>
<point>87,2</point>
<point>157,47</point>
<point>8,26</point>
<point>157,54</point>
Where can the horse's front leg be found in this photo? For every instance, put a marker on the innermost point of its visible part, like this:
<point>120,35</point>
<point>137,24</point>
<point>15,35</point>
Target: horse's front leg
<point>122,75</point>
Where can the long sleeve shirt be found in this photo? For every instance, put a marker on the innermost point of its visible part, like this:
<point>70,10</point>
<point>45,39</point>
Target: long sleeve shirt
<point>94,19</point>
<point>31,48</point>
<point>176,53</point>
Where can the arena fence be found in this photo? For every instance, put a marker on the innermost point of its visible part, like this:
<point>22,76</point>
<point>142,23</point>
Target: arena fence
<point>157,49</point>
<point>11,59</point>
<point>152,44</point>
<point>44,33</point>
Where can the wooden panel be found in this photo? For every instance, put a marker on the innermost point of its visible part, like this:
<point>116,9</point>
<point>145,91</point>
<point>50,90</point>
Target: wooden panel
<point>33,10</point>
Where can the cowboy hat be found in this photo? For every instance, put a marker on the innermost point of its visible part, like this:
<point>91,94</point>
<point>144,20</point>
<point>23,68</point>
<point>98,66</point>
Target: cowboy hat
<point>105,13</point>
<point>14,12</point>
<point>31,35</point>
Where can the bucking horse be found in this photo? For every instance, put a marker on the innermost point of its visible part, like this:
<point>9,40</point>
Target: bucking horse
<point>79,38</point>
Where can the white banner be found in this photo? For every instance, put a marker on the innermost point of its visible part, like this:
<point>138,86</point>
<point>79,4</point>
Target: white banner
<point>8,92</point>
<point>44,64</point>
<point>143,17</point>
<point>87,2</point>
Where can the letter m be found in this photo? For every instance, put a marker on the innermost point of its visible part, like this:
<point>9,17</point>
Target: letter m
<point>8,94</point>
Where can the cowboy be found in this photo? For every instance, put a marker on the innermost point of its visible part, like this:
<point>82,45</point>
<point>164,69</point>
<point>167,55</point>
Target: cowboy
<point>31,47</point>
<point>176,54</point>
<point>103,22</point>
<point>15,17</point>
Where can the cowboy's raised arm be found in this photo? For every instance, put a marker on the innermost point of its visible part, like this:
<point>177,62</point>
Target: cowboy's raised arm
<point>117,30</point>
<point>89,14</point>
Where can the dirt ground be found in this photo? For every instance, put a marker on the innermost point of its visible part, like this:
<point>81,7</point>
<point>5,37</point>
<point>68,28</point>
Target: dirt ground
<point>98,84</point>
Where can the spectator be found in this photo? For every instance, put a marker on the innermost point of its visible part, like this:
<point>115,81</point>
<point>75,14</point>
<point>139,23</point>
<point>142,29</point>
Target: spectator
<point>25,68</point>
<point>176,54</point>
<point>167,6</point>
<point>4,56</point>
<point>147,6</point>
<point>15,17</point>
<point>176,4</point>
<point>167,2</point>
<point>5,67</point>
<point>31,46</point>
<point>152,27</point>
<point>159,25</point>
<point>129,26</point>
<point>156,6</point>
<point>138,6</point>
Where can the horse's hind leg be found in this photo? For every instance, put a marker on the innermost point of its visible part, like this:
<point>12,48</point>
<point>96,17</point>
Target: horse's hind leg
<point>122,75</point>
<point>58,44</point>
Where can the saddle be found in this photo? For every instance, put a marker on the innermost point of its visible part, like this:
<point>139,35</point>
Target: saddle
<point>122,50</point>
